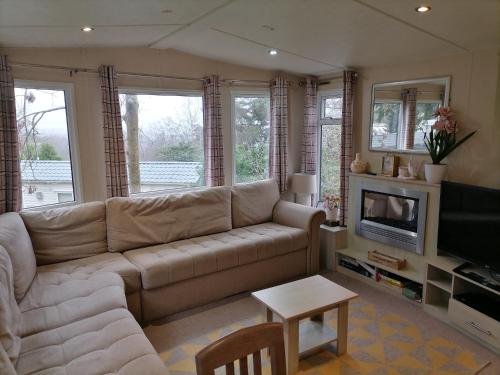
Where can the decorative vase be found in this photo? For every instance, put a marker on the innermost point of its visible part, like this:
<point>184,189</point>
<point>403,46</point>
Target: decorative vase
<point>358,165</point>
<point>332,215</point>
<point>435,173</point>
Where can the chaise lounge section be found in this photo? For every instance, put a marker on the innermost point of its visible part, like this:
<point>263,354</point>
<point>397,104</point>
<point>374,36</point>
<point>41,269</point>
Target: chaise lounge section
<point>152,256</point>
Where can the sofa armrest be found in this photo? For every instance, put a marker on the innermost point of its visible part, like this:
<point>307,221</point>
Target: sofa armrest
<point>306,218</point>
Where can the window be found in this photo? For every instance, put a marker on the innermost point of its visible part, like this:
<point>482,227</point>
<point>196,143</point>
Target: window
<point>329,143</point>
<point>387,115</point>
<point>46,143</point>
<point>163,136</point>
<point>425,120</point>
<point>251,137</point>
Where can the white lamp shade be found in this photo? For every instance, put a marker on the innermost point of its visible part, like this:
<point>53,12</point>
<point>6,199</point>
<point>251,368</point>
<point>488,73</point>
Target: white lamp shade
<point>304,183</point>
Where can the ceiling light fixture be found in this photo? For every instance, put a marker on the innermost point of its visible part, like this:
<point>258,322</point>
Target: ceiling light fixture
<point>273,52</point>
<point>423,9</point>
<point>87,29</point>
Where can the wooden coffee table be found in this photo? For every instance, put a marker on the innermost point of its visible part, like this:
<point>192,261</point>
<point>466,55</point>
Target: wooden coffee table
<point>307,298</point>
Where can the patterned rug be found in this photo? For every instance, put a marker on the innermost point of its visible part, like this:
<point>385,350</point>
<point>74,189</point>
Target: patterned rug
<point>379,343</point>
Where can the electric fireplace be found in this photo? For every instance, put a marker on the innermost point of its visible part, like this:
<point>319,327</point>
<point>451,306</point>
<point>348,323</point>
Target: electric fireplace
<point>395,216</point>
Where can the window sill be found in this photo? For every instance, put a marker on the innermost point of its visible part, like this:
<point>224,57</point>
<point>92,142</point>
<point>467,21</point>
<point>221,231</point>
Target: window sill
<point>159,193</point>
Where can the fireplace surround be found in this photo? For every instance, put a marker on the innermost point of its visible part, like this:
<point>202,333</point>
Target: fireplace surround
<point>392,215</point>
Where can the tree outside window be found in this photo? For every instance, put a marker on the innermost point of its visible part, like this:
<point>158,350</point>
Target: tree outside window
<point>251,137</point>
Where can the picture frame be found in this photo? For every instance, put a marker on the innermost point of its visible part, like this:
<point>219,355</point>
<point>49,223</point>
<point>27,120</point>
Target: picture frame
<point>390,165</point>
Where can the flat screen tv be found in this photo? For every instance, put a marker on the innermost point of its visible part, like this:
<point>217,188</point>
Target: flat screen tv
<point>469,224</point>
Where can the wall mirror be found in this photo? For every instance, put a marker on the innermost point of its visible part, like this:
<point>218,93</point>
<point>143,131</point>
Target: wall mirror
<point>402,112</point>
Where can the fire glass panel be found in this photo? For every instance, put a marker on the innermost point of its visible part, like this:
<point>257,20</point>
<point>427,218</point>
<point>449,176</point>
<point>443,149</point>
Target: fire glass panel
<point>391,210</point>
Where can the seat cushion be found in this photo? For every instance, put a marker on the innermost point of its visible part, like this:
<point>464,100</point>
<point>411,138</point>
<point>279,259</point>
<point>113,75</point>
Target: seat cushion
<point>253,203</point>
<point>107,262</point>
<point>108,343</point>
<point>139,222</point>
<point>169,263</point>
<point>67,233</point>
<point>10,315</point>
<point>15,239</point>
<point>57,298</point>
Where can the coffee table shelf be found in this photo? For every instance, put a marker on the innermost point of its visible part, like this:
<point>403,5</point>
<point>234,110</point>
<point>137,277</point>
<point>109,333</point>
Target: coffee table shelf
<point>314,335</point>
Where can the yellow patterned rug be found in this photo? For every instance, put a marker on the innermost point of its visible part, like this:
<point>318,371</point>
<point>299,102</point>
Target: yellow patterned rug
<point>380,343</point>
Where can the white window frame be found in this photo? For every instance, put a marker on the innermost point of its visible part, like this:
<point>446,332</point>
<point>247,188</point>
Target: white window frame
<point>249,93</point>
<point>324,121</point>
<point>164,92</point>
<point>69,99</point>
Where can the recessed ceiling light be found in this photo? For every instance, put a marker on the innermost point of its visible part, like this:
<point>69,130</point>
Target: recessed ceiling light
<point>273,52</point>
<point>423,9</point>
<point>87,29</point>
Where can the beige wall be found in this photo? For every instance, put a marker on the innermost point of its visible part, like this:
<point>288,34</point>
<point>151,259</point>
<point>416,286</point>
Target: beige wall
<point>147,61</point>
<point>475,96</point>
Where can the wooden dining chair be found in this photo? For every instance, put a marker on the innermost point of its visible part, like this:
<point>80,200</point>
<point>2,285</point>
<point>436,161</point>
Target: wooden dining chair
<point>238,345</point>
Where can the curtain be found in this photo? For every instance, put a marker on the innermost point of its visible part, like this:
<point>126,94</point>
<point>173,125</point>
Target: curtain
<point>10,177</point>
<point>114,151</point>
<point>278,137</point>
<point>346,142</point>
<point>410,116</point>
<point>310,128</point>
<point>212,132</point>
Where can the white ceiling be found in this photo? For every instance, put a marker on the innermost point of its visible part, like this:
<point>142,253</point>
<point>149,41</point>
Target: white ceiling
<point>312,36</point>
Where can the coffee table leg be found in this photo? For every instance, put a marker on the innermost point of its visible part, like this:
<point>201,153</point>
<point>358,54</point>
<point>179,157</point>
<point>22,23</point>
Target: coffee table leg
<point>269,315</point>
<point>317,318</point>
<point>342,322</point>
<point>292,345</point>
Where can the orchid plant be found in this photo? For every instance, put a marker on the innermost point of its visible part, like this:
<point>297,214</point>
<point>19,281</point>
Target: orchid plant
<point>331,202</point>
<point>442,138</point>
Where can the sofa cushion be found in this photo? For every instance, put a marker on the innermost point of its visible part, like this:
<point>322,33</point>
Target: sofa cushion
<point>139,222</point>
<point>10,316</point>
<point>169,263</point>
<point>15,239</point>
<point>108,343</point>
<point>107,262</point>
<point>57,298</point>
<point>253,203</point>
<point>67,233</point>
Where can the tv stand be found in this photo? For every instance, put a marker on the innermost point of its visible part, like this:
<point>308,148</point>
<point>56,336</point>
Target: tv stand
<point>459,299</point>
<point>478,275</point>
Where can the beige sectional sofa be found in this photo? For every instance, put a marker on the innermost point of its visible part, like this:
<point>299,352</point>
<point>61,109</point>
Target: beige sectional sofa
<point>73,279</point>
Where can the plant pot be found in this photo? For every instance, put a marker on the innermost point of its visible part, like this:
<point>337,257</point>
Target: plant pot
<point>332,215</point>
<point>435,173</point>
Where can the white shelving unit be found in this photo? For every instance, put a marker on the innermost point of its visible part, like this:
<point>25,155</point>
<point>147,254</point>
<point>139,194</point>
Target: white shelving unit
<point>442,285</point>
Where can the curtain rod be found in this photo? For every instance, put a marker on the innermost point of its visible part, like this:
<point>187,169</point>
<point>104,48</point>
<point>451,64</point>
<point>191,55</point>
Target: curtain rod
<point>75,70</point>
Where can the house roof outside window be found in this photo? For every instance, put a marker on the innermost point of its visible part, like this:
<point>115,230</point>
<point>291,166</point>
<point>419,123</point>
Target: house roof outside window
<point>152,172</point>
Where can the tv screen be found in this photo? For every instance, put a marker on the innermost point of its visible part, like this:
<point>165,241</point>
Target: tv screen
<point>469,223</point>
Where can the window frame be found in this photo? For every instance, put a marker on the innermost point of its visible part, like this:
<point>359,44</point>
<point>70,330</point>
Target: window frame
<point>319,134</point>
<point>248,93</point>
<point>164,92</point>
<point>69,98</point>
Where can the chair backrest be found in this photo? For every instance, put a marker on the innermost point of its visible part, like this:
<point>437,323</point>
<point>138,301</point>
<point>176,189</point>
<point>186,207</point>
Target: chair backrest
<point>238,345</point>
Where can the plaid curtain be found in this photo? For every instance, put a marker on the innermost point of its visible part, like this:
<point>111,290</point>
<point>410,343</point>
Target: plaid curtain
<point>309,130</point>
<point>114,151</point>
<point>278,137</point>
<point>346,141</point>
<point>212,132</point>
<point>409,97</point>
<point>10,176</point>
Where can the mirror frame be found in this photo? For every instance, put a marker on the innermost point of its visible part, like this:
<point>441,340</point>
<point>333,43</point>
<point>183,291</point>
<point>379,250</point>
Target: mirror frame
<point>446,100</point>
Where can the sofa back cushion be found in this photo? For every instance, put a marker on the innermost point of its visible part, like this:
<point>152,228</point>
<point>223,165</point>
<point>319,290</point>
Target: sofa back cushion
<point>67,233</point>
<point>15,239</point>
<point>253,203</point>
<point>139,222</point>
<point>10,316</point>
